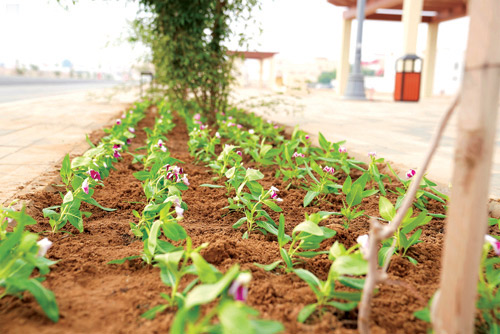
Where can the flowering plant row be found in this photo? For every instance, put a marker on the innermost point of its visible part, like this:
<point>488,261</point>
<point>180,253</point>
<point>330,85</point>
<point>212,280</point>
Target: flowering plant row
<point>82,175</point>
<point>20,255</point>
<point>163,183</point>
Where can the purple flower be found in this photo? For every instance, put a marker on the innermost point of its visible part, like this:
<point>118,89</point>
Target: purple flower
<point>411,173</point>
<point>85,186</point>
<point>131,129</point>
<point>329,170</point>
<point>43,246</point>
<point>298,155</point>
<point>239,287</point>
<point>239,153</point>
<point>118,121</point>
<point>197,117</point>
<point>95,175</point>
<point>307,136</point>
<point>129,141</point>
<point>372,154</point>
<point>167,167</point>
<point>117,147</point>
<point>494,243</point>
<point>116,154</point>
<point>342,149</point>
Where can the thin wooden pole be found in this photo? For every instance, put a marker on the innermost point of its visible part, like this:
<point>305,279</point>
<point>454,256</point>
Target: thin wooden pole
<point>467,216</point>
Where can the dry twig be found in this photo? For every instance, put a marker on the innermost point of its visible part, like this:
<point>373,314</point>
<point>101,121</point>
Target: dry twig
<point>379,232</point>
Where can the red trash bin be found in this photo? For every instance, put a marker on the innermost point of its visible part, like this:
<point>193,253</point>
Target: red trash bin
<point>408,75</point>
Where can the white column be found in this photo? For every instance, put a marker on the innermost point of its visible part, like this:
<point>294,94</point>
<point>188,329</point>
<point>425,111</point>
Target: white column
<point>343,64</point>
<point>412,12</point>
<point>430,60</point>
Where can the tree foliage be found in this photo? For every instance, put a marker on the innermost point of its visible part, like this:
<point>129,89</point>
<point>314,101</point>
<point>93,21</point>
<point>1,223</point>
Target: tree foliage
<point>188,40</point>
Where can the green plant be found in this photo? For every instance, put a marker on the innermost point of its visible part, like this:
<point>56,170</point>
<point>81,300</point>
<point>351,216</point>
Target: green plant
<point>346,263</point>
<point>324,186</point>
<point>20,254</point>
<point>355,193</point>
<point>306,237</point>
<point>403,241</point>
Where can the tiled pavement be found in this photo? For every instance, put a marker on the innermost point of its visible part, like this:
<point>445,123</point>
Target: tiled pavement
<point>36,134</point>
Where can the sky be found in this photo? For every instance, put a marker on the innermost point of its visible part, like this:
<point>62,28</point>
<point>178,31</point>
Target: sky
<point>91,34</point>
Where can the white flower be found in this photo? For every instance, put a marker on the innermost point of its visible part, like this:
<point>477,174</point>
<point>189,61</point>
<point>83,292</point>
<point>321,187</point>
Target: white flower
<point>179,211</point>
<point>217,134</point>
<point>251,131</point>
<point>43,246</point>
<point>364,243</point>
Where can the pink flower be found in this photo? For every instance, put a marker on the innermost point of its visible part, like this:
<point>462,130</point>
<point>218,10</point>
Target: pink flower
<point>274,194</point>
<point>230,117</point>
<point>239,153</point>
<point>85,186</point>
<point>239,287</point>
<point>43,246</point>
<point>131,130</point>
<point>117,147</point>
<point>307,137</point>
<point>217,134</point>
<point>329,170</point>
<point>95,175</point>
<point>239,126</point>
<point>118,121</point>
<point>123,116</point>
<point>364,245</point>
<point>298,155</point>
<point>203,127</point>
<point>129,141</point>
<point>372,154</point>
<point>411,173</point>
<point>116,154</point>
<point>197,117</point>
<point>276,127</point>
<point>185,180</point>
<point>342,149</point>
<point>160,143</point>
<point>494,243</point>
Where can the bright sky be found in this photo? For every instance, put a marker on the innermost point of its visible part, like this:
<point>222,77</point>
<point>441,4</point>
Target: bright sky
<point>42,31</point>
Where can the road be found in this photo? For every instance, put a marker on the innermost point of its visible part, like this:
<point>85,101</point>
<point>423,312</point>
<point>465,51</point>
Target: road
<point>24,88</point>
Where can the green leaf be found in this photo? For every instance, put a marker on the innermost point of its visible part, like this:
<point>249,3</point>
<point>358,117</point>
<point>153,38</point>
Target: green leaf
<point>309,197</point>
<point>351,264</point>
<point>174,231</point>
<point>123,260</point>
<point>345,295</point>
<point>153,237</point>
<point>266,326</point>
<point>286,258</point>
<point>65,169</point>
<point>309,278</point>
<point>272,205</point>
<point>43,296</point>
<point>253,174</point>
<point>325,144</point>
<point>346,307</point>
<point>268,267</point>
<point>234,318</point>
<point>205,293</point>
<point>309,227</point>
<point>68,197</point>
<point>151,313</point>
<point>240,222</point>
<point>355,196</point>
<point>281,231</point>
<point>94,202</point>
<point>211,185</point>
<point>386,209</point>
<point>205,272</point>
<point>306,312</point>
<point>384,254</point>
<point>347,185</point>
<point>423,314</point>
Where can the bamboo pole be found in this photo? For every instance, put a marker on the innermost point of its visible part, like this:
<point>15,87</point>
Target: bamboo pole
<point>467,216</point>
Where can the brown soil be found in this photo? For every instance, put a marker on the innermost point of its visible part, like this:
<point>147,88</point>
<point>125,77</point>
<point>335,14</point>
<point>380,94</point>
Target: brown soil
<point>95,297</point>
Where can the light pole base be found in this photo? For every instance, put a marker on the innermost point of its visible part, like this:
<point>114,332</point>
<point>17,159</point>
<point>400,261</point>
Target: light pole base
<point>355,89</point>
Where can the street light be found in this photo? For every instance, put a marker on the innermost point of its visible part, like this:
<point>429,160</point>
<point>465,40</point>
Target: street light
<point>355,89</point>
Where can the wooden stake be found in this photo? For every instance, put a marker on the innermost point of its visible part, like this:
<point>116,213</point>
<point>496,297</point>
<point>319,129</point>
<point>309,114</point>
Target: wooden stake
<point>467,216</point>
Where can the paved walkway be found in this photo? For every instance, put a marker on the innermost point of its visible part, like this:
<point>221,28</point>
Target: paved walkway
<point>36,134</point>
<point>399,132</point>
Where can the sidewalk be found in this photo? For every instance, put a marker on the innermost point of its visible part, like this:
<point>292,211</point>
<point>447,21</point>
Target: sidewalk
<point>36,134</point>
<point>398,132</point>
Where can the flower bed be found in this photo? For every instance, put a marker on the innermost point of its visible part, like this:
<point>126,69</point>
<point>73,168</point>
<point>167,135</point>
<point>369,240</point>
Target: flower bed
<point>97,297</point>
